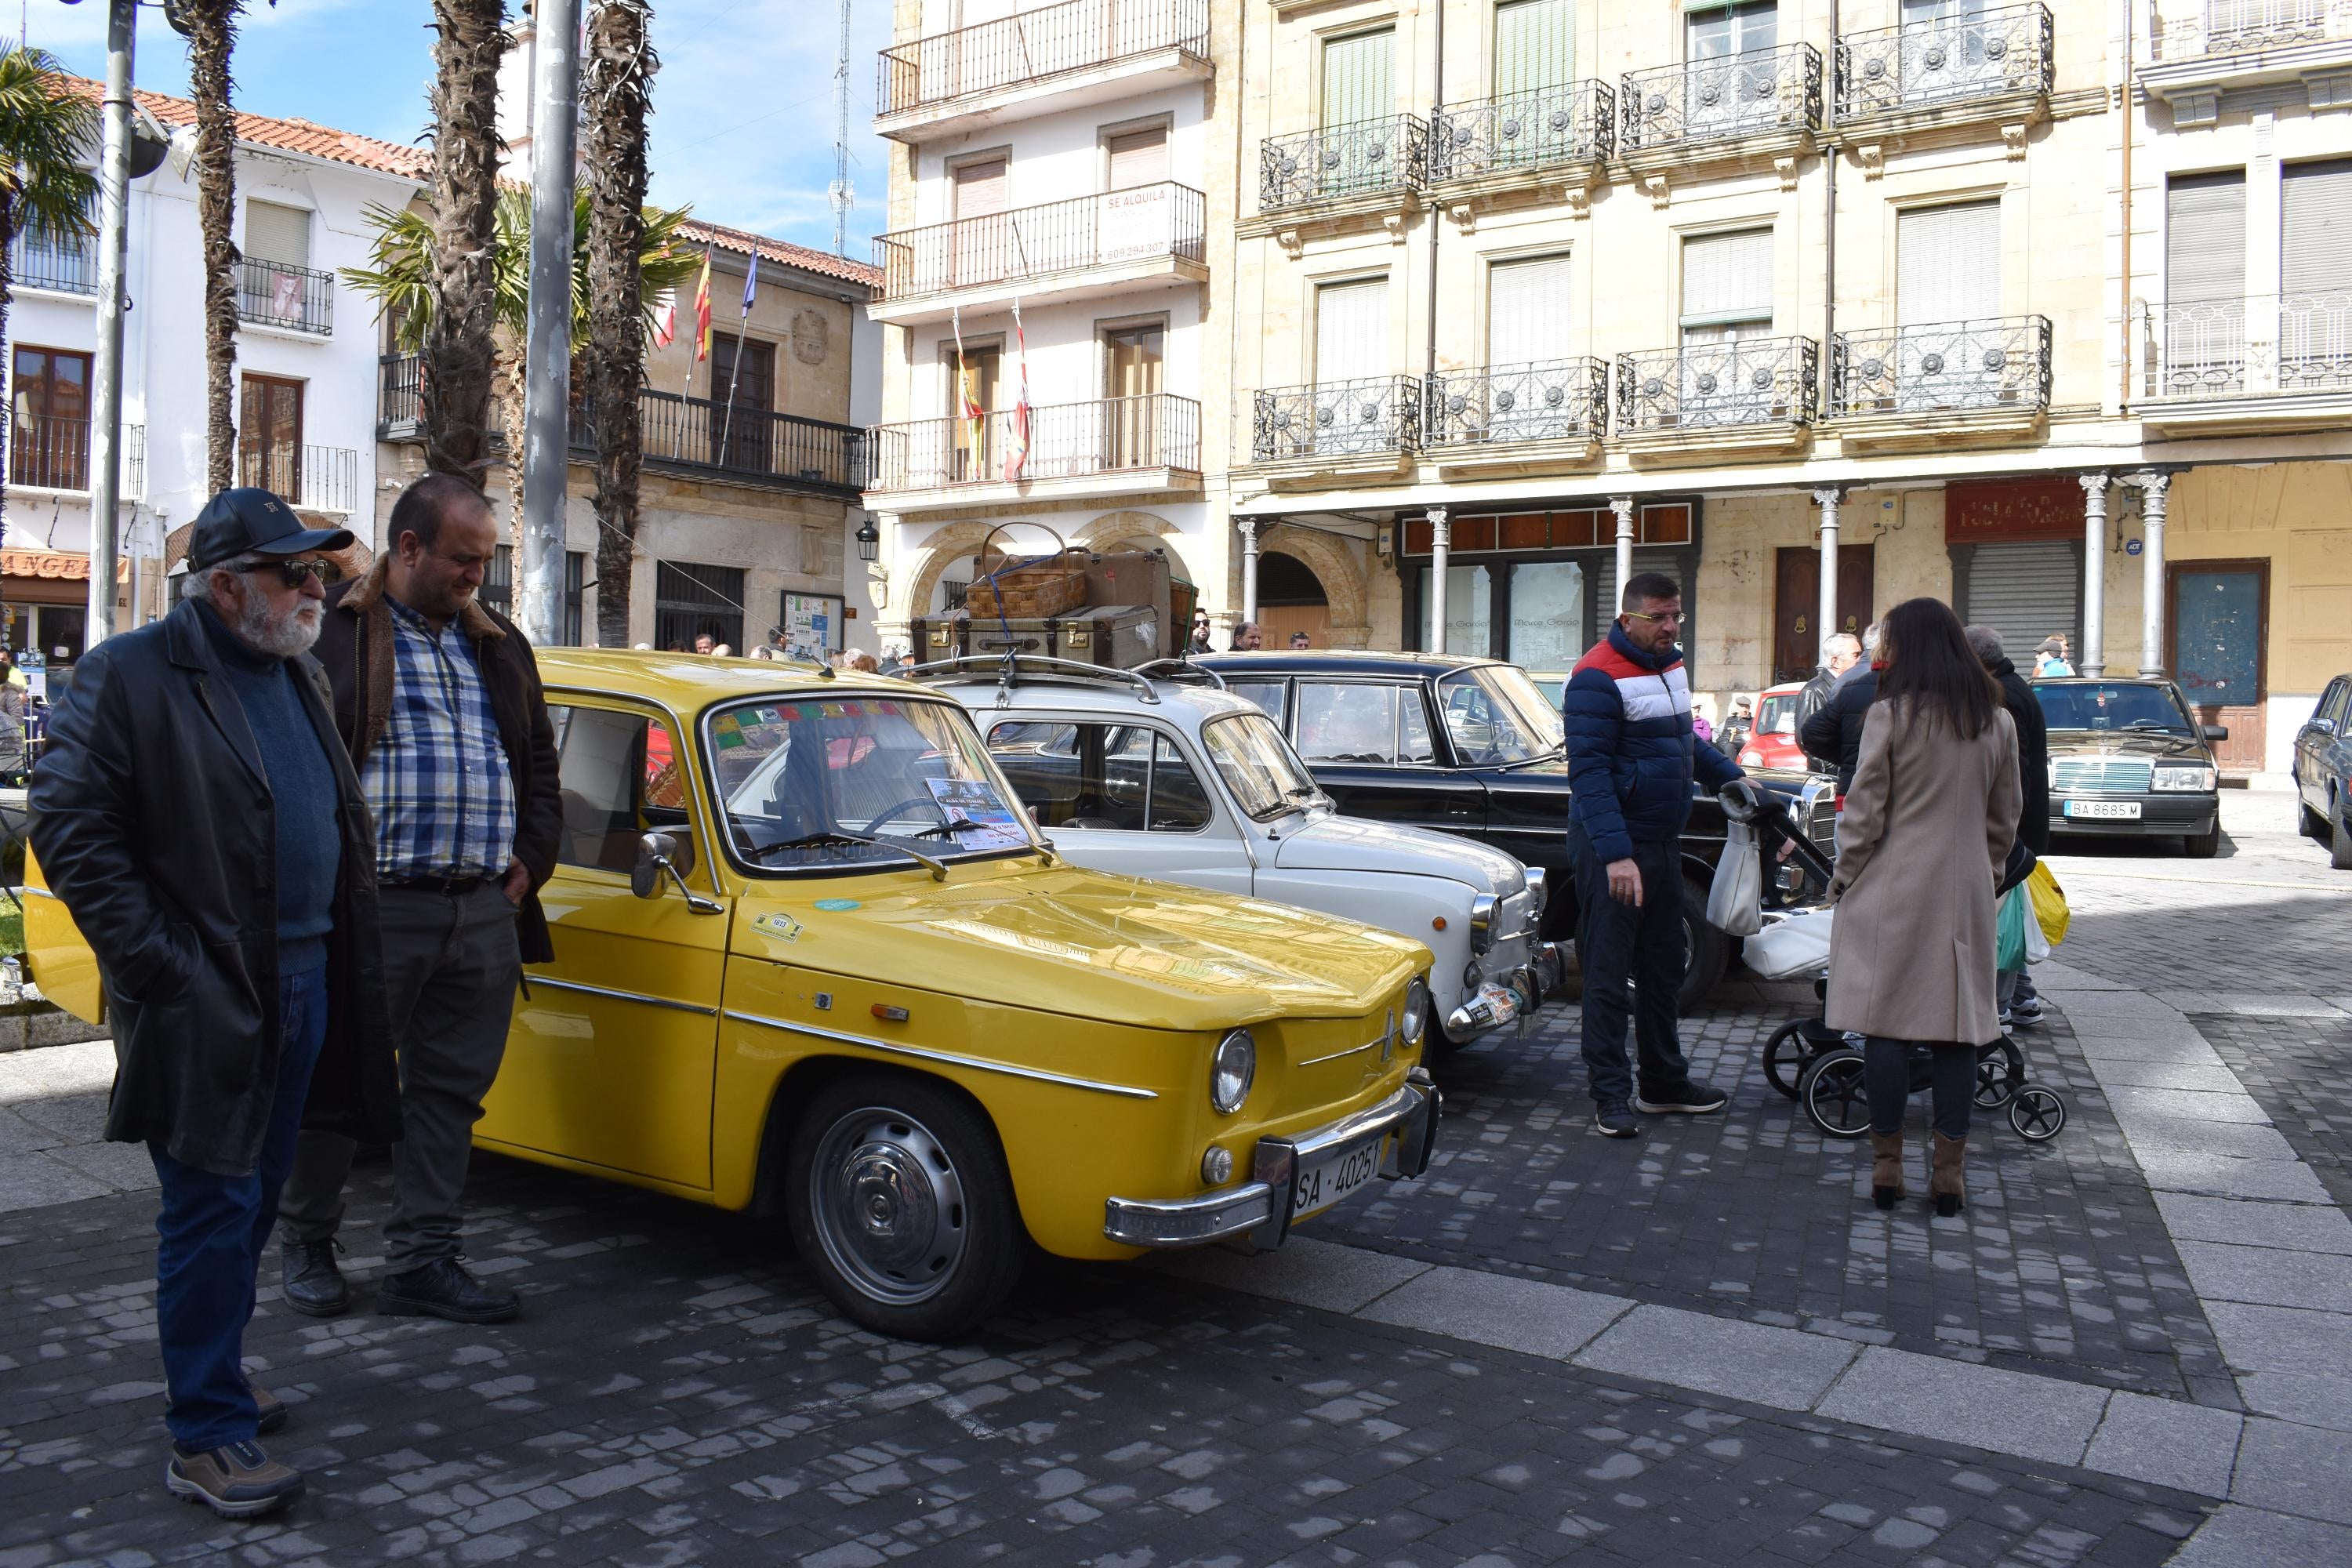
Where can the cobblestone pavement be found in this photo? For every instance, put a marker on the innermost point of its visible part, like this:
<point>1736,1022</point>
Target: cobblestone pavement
<point>2300,1070</point>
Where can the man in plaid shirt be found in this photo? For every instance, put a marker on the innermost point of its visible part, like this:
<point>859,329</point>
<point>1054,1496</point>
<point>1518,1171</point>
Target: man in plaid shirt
<point>439,701</point>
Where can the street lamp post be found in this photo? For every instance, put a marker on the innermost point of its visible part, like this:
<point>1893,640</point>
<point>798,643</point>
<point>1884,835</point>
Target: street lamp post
<point>547,387</point>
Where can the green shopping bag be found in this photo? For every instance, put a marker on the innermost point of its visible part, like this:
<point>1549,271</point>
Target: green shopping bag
<point>2011,929</point>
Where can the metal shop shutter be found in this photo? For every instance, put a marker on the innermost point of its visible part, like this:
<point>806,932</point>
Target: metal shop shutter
<point>1728,277</point>
<point>2317,254</point>
<point>1527,310</point>
<point>1360,78</point>
<point>1949,264</point>
<point>1663,558</point>
<point>2026,591</point>
<point>2205,238</point>
<point>276,232</point>
<point>1535,46</point>
<point>1351,330</point>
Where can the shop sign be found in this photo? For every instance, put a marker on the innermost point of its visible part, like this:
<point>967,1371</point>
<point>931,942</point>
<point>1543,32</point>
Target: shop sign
<point>2003,510</point>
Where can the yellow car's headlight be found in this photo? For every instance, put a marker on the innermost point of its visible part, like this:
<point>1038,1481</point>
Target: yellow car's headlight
<point>1231,1071</point>
<point>1415,1017</point>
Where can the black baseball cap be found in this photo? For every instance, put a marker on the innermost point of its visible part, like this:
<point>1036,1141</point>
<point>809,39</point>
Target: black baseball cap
<point>249,521</point>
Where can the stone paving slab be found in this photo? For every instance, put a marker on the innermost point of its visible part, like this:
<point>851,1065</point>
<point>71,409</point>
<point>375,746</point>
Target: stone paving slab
<point>2175,1170</point>
<point>1976,1406</point>
<point>1311,1272</point>
<point>2300,1070</point>
<point>2294,1470</point>
<point>2239,1537</point>
<point>2193,1105</point>
<point>2269,1275</point>
<point>1784,1368</point>
<point>1551,1321</point>
<point>2167,1442</point>
<point>2298,1227</point>
<point>2261,1338</point>
<point>2311,1398</point>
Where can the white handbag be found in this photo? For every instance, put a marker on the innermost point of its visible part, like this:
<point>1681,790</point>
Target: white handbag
<point>1735,905</point>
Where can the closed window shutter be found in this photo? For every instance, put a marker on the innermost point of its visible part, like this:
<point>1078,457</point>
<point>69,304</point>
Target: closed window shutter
<point>2026,591</point>
<point>1535,46</point>
<point>1728,277</point>
<point>275,232</point>
<point>1351,330</point>
<point>1359,79</point>
<point>980,189</point>
<point>1527,311</point>
<point>2317,219</point>
<point>1140,159</point>
<point>1650,558</point>
<point>1948,265</point>
<point>2205,238</point>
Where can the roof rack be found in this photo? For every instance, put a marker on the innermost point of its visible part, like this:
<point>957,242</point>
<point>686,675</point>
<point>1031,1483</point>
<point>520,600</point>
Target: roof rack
<point>1182,669</point>
<point>1010,667</point>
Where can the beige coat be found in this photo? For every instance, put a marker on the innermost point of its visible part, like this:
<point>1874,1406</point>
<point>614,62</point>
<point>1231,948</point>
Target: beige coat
<point>1925,831</point>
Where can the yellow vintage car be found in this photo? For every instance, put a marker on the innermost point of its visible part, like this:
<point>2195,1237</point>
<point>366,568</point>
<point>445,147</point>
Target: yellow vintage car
<point>812,955</point>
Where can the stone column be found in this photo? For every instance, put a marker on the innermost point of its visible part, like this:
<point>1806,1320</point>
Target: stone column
<point>1441,541</point>
<point>1829,499</point>
<point>2153,487</point>
<point>2092,658</point>
<point>1248,525</point>
<point>1623,507</point>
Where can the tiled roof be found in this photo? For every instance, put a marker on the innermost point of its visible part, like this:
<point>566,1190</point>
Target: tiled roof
<point>288,136</point>
<point>823,262</point>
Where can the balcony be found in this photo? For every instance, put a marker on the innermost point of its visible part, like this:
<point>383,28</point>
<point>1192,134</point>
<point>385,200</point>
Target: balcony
<point>1517,418</point>
<point>1302,437</point>
<point>1146,445</point>
<point>1764,105</point>
<point>689,436</point>
<point>47,452</point>
<point>1937,385</point>
<point>1923,76</point>
<point>1553,140</point>
<point>1071,56</point>
<point>1075,249</point>
<point>1339,176</point>
<point>2266,362</point>
<point>1750,398</point>
<point>56,265</point>
<point>285,298</point>
<point>314,479</point>
<point>2198,49</point>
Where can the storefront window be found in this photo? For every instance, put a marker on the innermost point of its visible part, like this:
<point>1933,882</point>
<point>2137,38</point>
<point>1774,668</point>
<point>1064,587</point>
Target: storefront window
<point>1469,608</point>
<point>1547,629</point>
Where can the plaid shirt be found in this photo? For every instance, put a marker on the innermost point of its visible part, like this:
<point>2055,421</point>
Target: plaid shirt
<point>437,779</point>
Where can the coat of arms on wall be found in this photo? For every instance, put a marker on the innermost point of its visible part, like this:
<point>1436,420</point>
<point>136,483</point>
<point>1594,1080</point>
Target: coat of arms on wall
<point>809,335</point>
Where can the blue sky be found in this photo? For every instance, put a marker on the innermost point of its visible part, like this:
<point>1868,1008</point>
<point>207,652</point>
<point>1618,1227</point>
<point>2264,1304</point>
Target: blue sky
<point>742,128</point>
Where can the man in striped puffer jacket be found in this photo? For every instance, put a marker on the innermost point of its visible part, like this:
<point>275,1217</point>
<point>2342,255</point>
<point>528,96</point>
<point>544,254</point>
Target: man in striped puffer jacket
<point>1630,760</point>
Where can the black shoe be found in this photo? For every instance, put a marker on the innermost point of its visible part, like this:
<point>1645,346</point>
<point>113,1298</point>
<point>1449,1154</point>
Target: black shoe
<point>1616,1119</point>
<point>444,1288</point>
<point>269,1409</point>
<point>310,1282</point>
<point>2026,1012</point>
<point>1690,1098</point>
<point>236,1481</point>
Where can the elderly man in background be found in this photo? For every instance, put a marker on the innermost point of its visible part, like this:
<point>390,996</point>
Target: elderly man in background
<point>1247,638</point>
<point>1840,653</point>
<point>197,815</point>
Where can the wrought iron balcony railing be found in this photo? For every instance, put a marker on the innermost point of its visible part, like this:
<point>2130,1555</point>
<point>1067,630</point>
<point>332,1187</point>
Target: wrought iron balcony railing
<point>1747,380</point>
<point>52,454</point>
<point>1352,160</point>
<point>65,264</point>
<point>1142,223</point>
<point>1575,123</point>
<point>1949,368</point>
<point>1925,65</point>
<point>280,294</point>
<point>2192,30</point>
<point>2259,346</point>
<point>1549,400</point>
<point>1065,441</point>
<point>1725,98</point>
<point>1373,414</point>
<point>397,413</point>
<point>325,478</point>
<point>1034,46</point>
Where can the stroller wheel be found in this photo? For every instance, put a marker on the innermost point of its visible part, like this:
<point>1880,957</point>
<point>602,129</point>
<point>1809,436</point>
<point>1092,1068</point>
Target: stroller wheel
<point>1831,1090</point>
<point>2037,1115</point>
<point>1785,1055</point>
<point>2001,1073</point>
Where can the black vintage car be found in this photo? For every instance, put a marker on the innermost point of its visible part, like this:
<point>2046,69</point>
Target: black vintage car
<point>2128,759</point>
<point>1469,746</point>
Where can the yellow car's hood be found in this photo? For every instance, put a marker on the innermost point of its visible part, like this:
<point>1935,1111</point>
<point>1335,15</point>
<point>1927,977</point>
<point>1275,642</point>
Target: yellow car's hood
<point>1087,944</point>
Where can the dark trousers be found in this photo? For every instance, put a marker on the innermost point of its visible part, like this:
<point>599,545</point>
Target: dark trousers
<point>1617,943</point>
<point>1886,1081</point>
<point>450,969</point>
<point>210,1232</point>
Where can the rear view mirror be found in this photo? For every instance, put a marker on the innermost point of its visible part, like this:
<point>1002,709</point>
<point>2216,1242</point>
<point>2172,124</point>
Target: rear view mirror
<point>657,854</point>
<point>2216,732</point>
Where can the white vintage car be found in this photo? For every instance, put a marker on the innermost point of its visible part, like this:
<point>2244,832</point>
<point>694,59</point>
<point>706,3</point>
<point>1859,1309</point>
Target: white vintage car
<point>1165,775</point>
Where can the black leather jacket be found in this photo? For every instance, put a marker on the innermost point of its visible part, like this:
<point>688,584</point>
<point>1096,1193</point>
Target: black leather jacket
<point>153,822</point>
<point>1834,733</point>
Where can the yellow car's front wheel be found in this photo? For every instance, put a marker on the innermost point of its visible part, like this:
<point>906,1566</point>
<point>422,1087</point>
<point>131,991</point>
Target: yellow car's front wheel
<point>900,1202</point>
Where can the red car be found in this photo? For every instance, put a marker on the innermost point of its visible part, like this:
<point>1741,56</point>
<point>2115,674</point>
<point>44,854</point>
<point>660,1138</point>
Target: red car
<point>1773,745</point>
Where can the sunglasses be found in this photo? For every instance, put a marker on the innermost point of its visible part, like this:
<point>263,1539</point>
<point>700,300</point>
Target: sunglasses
<point>1672,616</point>
<point>292,573</point>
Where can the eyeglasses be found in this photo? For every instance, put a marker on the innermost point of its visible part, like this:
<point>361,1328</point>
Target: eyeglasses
<point>292,573</point>
<point>1671,617</point>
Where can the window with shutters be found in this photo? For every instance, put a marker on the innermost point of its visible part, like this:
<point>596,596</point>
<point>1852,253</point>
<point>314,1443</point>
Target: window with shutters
<point>744,383</point>
<point>49,426</point>
<point>980,242</point>
<point>276,232</point>
<point>269,437</point>
<point>1530,394</point>
<point>1535,46</point>
<point>1354,405</point>
<point>2316,275</point>
<point>1358,148</point>
<point>1730,83</point>
<point>1138,158</point>
<point>1947,291</point>
<point>2203,342</point>
<point>275,284</point>
<point>1727,300</point>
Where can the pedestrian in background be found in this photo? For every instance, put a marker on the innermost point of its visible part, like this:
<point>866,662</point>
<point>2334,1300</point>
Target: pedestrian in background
<point>2050,659</point>
<point>1300,642</point>
<point>437,700</point>
<point>199,819</point>
<point>1632,755</point>
<point>1199,639</point>
<point>1833,734</point>
<point>1927,830</point>
<point>1840,653</point>
<point>2019,1003</point>
<point>1247,638</point>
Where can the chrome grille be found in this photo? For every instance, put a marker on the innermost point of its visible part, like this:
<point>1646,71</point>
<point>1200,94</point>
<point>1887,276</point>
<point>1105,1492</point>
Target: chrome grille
<point>2109,775</point>
<point>1820,819</point>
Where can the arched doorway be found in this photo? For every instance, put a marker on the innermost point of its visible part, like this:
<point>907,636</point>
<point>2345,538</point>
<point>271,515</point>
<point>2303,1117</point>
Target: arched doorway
<point>1290,598</point>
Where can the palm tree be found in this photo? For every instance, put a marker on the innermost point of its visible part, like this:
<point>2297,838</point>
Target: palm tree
<point>621,65</point>
<point>44,192</point>
<point>459,358</point>
<point>210,27</point>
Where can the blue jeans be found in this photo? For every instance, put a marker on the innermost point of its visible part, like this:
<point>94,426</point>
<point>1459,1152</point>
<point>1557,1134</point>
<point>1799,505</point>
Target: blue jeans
<point>1886,1082</point>
<point>1616,943</point>
<point>212,1230</point>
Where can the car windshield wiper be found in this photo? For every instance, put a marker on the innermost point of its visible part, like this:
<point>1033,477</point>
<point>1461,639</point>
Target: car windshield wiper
<point>943,829</point>
<point>832,835</point>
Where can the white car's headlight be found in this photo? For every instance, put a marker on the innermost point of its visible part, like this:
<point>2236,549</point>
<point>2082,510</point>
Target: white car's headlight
<point>1539,889</point>
<point>1483,908</point>
<point>1751,759</point>
<point>1415,1016</point>
<point>2181,776</point>
<point>1231,1071</point>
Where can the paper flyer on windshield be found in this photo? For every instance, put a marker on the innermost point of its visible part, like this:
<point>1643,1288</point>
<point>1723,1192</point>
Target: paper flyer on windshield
<point>974,801</point>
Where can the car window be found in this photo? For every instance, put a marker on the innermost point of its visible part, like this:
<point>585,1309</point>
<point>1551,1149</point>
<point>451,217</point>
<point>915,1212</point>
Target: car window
<point>1257,764</point>
<point>1107,778</point>
<point>2338,699</point>
<point>1777,715</point>
<point>619,774</point>
<point>1496,716</point>
<point>1267,694</point>
<point>1179,804</point>
<point>1350,722</point>
<point>2102,705</point>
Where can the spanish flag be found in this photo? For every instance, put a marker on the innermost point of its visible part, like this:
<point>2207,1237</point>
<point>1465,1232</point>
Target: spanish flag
<point>702,309</point>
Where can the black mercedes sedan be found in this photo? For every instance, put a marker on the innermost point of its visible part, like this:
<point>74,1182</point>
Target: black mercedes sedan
<point>1470,746</point>
<point>2128,759</point>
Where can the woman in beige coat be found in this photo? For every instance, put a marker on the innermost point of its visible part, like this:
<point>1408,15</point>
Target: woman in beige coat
<point>1924,833</point>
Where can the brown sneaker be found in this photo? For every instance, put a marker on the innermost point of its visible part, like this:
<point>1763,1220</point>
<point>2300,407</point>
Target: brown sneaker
<point>236,1481</point>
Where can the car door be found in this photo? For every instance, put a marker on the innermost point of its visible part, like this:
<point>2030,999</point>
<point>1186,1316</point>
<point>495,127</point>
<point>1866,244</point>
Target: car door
<point>1373,749</point>
<point>1123,796</point>
<point>2321,747</point>
<point>610,1057</point>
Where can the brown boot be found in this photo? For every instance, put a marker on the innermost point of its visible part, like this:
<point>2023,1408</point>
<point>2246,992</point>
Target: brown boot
<point>1944,1183</point>
<point>1885,1168</point>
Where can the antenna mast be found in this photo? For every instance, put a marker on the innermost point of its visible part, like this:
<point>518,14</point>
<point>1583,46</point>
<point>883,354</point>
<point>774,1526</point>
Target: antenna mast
<point>839,192</point>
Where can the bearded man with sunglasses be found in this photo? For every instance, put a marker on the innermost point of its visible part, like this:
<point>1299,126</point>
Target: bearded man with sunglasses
<point>197,815</point>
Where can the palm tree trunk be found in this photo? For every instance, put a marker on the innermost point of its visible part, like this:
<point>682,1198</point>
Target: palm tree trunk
<point>621,66</point>
<point>212,34</point>
<point>7,286</point>
<point>456,366</point>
